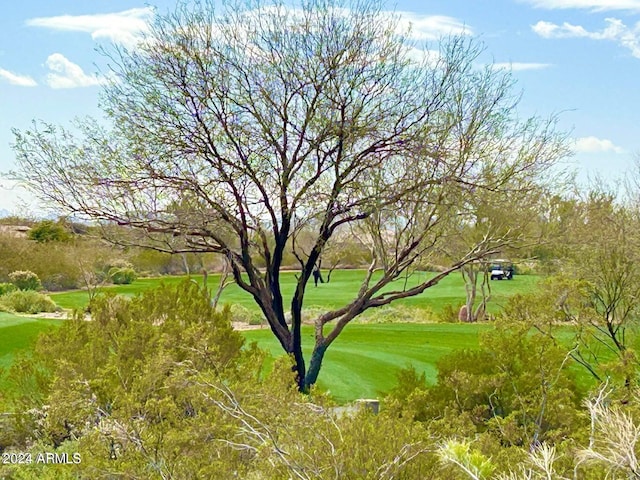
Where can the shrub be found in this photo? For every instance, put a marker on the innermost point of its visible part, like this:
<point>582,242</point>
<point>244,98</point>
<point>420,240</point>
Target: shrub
<point>49,231</point>
<point>6,288</point>
<point>25,280</point>
<point>397,314</point>
<point>118,271</point>
<point>517,386</point>
<point>119,263</point>
<point>60,281</point>
<point>449,314</point>
<point>164,373</point>
<point>244,315</point>
<point>59,265</point>
<point>155,263</point>
<point>122,276</point>
<point>27,301</point>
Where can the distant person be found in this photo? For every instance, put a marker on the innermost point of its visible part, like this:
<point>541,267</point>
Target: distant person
<point>317,276</point>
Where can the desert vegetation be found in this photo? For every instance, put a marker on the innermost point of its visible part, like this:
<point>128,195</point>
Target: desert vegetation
<point>302,172</point>
<point>161,384</point>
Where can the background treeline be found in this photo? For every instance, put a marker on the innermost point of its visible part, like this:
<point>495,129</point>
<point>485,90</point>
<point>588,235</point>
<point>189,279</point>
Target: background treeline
<point>67,255</point>
<point>585,235</point>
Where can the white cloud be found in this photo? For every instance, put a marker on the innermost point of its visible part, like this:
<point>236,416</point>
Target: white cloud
<point>596,145</point>
<point>66,74</point>
<point>595,5</point>
<point>16,79</point>
<point>121,27</point>
<point>125,27</point>
<point>615,31</point>
<point>521,66</point>
<point>552,30</point>
<point>430,27</point>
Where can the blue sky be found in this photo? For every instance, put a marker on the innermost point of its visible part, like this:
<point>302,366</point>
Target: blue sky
<point>577,58</point>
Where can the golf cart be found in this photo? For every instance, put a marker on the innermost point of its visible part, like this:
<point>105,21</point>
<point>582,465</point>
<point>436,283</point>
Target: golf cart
<point>501,270</point>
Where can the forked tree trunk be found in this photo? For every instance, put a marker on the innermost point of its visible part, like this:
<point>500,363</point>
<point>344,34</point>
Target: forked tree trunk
<point>470,276</point>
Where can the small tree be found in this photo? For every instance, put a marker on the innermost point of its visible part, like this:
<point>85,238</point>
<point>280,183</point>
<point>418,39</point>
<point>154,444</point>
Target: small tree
<point>471,274</point>
<point>261,120</point>
<point>602,252</point>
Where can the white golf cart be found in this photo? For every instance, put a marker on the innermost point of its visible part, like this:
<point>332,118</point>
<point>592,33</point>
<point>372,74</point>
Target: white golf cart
<point>500,269</point>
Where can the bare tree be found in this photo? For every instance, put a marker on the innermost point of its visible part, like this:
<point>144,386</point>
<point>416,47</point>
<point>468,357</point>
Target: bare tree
<point>259,120</point>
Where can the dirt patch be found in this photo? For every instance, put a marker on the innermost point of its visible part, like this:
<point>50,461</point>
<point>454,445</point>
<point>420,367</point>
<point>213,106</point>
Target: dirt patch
<point>245,326</point>
<point>63,315</point>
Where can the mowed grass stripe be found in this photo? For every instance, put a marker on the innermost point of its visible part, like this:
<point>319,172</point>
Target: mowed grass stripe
<point>361,363</point>
<point>364,360</point>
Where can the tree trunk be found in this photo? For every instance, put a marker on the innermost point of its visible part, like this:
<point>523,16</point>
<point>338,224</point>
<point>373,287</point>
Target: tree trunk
<point>185,263</point>
<point>296,337</point>
<point>300,369</point>
<point>485,287</point>
<point>314,365</point>
<point>291,342</point>
<point>470,278</point>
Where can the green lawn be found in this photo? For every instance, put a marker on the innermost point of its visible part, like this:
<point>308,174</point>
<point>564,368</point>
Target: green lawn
<point>363,361</point>
<point>342,289</point>
<point>79,298</point>
<point>18,333</point>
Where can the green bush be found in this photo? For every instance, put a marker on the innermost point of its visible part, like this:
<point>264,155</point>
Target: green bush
<point>49,231</point>
<point>25,280</point>
<point>6,288</point>
<point>449,314</point>
<point>27,301</point>
<point>156,263</point>
<point>122,276</point>
<point>244,315</point>
<point>169,367</point>
<point>398,314</point>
